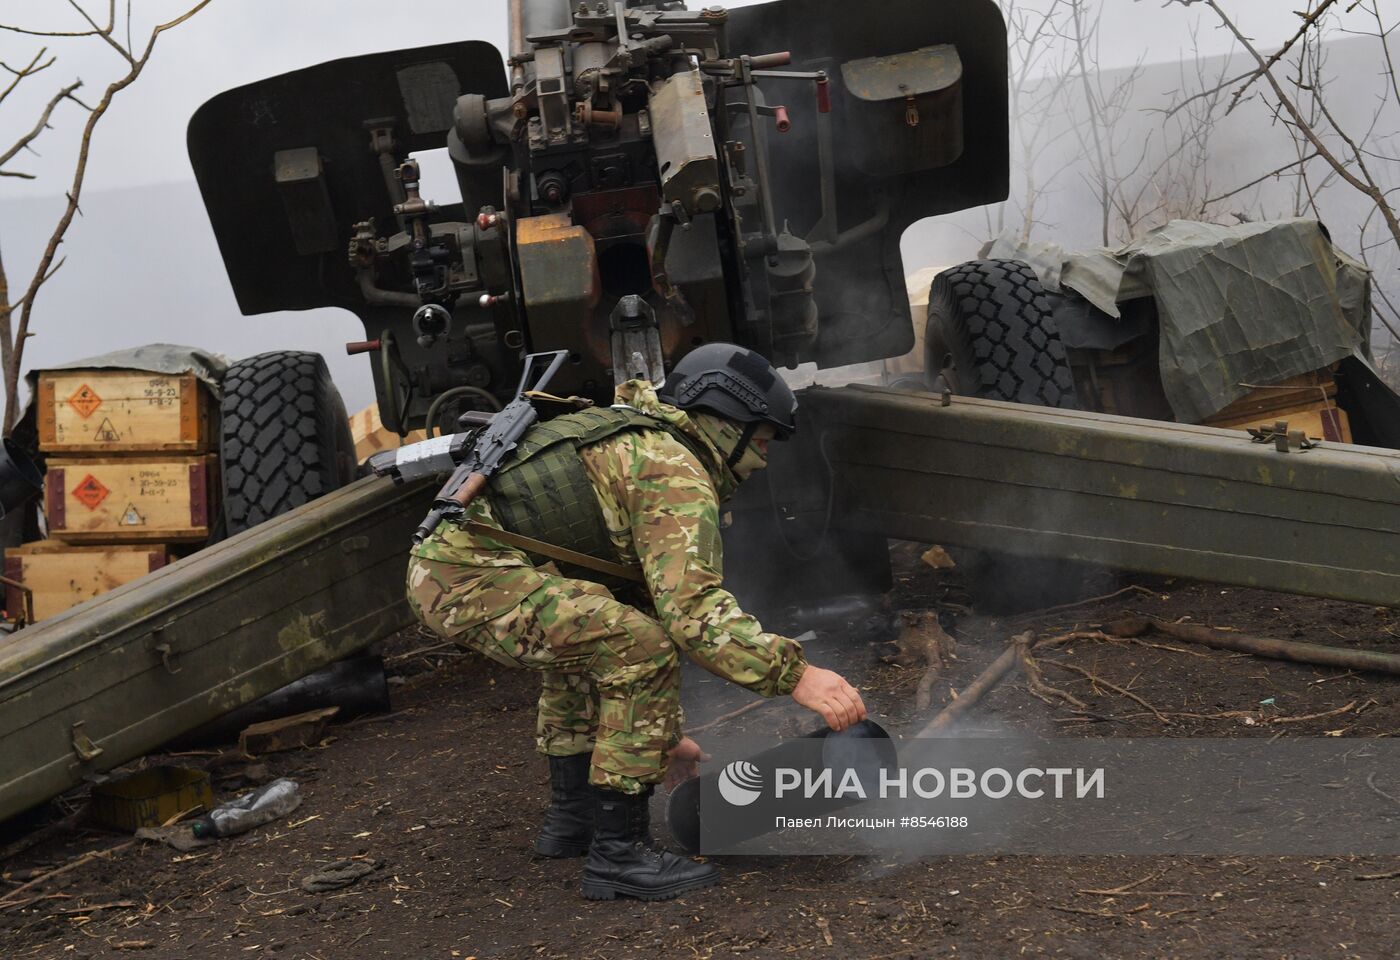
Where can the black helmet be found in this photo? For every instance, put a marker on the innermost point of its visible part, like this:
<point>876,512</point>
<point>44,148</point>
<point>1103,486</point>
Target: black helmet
<point>735,383</point>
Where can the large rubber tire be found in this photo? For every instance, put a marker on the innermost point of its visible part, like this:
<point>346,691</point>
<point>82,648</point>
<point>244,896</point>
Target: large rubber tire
<point>991,334</point>
<point>994,321</point>
<point>284,438</point>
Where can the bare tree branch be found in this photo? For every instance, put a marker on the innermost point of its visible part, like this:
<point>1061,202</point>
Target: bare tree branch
<point>1363,183</point>
<point>33,67</point>
<point>1095,111</point>
<point>1272,174</point>
<point>1383,34</point>
<point>8,28</point>
<point>105,32</point>
<point>28,138</point>
<point>1364,253</point>
<point>13,337</point>
<point>1310,20</point>
<point>1033,102</point>
<point>1136,180</point>
<point>1209,92</point>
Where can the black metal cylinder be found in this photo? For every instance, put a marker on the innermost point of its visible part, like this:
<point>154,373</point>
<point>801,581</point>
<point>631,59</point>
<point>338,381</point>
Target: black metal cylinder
<point>865,747</point>
<point>357,686</point>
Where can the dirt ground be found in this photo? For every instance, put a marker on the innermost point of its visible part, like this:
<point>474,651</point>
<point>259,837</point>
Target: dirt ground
<point>443,794</point>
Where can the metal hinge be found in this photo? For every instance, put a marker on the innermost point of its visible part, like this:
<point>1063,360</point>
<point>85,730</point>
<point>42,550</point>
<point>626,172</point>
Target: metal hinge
<point>82,744</point>
<point>1283,439</point>
<point>163,649</point>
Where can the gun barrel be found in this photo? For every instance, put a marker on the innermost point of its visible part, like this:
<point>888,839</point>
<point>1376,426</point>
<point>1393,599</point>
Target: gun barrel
<point>430,523</point>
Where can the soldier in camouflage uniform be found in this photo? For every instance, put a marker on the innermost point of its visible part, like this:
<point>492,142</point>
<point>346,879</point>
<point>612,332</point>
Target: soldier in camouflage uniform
<point>639,486</point>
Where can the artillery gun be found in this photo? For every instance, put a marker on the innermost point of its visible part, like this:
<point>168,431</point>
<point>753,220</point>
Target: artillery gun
<point>634,180</point>
<point>637,179</point>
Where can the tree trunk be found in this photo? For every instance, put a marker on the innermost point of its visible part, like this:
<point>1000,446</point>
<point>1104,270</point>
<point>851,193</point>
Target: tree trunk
<point>6,336</point>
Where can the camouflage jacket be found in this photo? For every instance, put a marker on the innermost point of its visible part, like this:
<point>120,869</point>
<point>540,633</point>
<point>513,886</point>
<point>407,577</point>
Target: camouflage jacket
<point>661,505</point>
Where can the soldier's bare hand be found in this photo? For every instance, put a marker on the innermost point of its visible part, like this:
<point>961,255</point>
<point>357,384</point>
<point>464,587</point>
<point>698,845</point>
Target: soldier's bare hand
<point>686,757</point>
<point>828,693</point>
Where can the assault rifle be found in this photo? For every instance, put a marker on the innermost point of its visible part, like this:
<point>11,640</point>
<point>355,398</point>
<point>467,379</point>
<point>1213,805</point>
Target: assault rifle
<point>473,455</point>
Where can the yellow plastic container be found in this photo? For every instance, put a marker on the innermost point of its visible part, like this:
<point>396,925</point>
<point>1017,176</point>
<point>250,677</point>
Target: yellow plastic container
<point>151,797</point>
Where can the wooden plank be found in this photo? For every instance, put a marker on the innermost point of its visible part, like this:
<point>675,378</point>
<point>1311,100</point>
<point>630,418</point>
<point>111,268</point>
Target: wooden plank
<point>1316,389</point>
<point>131,500</point>
<point>63,576</point>
<point>286,733</point>
<point>123,411</point>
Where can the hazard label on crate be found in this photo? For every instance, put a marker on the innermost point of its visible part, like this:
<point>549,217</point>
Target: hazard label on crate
<point>85,400</point>
<point>90,492</point>
<point>106,432</point>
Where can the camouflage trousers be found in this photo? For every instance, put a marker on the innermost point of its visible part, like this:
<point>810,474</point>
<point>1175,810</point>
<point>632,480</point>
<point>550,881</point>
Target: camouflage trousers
<point>610,674</point>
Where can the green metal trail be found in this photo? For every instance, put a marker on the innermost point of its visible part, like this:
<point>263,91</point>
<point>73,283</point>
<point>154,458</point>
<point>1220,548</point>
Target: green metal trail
<point>1139,495</point>
<point>121,674</point>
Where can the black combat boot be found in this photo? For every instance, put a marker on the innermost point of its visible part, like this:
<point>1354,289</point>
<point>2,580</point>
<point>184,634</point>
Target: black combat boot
<point>568,824</point>
<point>622,862</point>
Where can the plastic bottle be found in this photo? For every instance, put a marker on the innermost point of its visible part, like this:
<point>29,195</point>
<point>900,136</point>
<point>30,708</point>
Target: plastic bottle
<point>267,803</point>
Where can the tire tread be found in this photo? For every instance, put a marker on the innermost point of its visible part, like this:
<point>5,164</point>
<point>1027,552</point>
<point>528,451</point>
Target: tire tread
<point>283,437</point>
<point>1000,325</point>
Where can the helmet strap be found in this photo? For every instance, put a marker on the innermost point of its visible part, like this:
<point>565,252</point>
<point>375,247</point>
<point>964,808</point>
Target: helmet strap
<point>737,453</point>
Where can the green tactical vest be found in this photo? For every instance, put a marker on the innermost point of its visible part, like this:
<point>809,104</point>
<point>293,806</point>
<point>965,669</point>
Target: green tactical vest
<point>545,493</point>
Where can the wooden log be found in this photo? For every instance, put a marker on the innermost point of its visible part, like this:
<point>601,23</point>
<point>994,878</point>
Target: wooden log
<point>63,576</point>
<point>131,500</point>
<point>123,411</point>
<point>1319,654</point>
<point>974,692</point>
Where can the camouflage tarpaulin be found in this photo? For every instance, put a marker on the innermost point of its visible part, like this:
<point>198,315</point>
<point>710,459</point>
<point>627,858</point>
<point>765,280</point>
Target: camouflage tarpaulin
<point>1237,306</point>
<point>167,358</point>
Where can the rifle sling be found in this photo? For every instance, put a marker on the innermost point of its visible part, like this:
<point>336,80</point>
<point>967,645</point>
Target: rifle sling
<point>531,545</point>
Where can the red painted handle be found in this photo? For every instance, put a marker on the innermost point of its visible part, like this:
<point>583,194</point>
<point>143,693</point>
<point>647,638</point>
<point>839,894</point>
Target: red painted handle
<point>780,117</point>
<point>823,95</point>
<point>362,346</point>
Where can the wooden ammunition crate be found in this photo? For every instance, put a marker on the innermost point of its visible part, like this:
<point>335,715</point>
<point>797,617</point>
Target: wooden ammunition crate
<point>123,411</point>
<point>371,436</point>
<point>1307,403</point>
<point>63,576</point>
<point>131,499</point>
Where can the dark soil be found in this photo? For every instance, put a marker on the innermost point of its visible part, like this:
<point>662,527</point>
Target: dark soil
<point>442,796</point>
